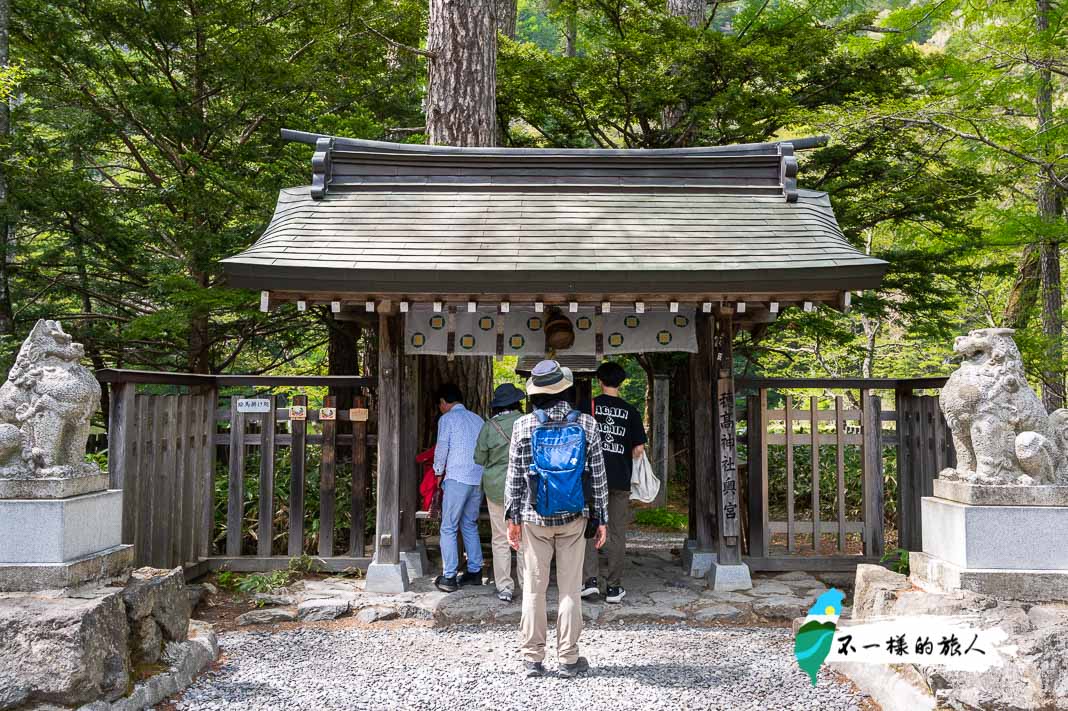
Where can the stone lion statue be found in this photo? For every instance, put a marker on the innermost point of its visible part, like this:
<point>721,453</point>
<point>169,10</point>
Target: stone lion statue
<point>46,406</point>
<point>1001,432</point>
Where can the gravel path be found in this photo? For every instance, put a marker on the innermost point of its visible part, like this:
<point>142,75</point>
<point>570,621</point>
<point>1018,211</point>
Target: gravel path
<point>634,667</point>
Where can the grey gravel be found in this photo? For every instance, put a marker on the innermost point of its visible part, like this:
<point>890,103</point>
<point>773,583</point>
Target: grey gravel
<point>633,667</point>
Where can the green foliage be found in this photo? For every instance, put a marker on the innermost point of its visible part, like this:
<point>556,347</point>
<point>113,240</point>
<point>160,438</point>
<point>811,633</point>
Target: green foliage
<point>662,519</point>
<point>897,560</point>
<point>264,582</point>
<point>227,579</point>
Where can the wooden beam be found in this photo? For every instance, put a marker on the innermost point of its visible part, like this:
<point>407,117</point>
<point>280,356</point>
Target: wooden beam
<point>387,519</point>
<point>255,564</point>
<point>701,388</point>
<point>725,432</point>
<point>121,427</point>
<point>409,448</point>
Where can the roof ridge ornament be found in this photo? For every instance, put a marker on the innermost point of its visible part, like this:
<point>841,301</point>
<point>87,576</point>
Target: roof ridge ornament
<point>788,175</point>
<point>321,164</point>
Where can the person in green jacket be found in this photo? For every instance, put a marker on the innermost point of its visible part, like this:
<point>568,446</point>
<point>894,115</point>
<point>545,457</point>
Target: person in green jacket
<point>491,451</point>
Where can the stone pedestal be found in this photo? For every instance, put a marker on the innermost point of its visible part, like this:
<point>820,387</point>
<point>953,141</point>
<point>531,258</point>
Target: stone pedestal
<point>1005,541</point>
<point>387,578</point>
<point>726,578</point>
<point>416,561</point>
<point>696,562</point>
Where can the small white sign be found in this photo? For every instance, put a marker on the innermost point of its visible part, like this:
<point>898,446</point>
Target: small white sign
<point>254,405</point>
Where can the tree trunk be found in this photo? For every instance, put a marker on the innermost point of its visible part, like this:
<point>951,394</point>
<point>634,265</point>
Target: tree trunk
<point>7,229</point>
<point>1049,210</point>
<point>461,109</point>
<point>343,358</point>
<point>462,75</point>
<point>1024,290</point>
<point>693,10</point>
<point>571,35</point>
<point>506,17</point>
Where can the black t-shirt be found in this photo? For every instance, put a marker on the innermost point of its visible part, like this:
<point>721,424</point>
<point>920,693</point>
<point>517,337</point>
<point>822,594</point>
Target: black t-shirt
<point>621,430</point>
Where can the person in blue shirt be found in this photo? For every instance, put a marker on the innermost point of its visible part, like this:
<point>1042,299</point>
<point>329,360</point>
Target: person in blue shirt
<point>461,484</point>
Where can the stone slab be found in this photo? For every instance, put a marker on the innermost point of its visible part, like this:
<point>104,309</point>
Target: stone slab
<point>417,561</point>
<point>387,578</point>
<point>894,688</point>
<point>990,495</point>
<point>52,488</point>
<point>727,578</point>
<point>697,563</point>
<point>935,574</point>
<point>15,577</point>
<point>995,537</point>
<point>59,530</point>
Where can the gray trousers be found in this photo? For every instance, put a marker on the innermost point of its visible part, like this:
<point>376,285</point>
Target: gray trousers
<point>615,549</point>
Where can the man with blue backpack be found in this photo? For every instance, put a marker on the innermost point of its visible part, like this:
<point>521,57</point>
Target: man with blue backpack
<point>556,484</point>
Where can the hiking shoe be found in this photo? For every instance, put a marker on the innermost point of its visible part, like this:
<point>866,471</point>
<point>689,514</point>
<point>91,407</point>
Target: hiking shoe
<point>590,589</point>
<point>615,594</point>
<point>470,578</point>
<point>533,669</point>
<point>570,671</point>
<point>446,584</point>
<point>504,595</point>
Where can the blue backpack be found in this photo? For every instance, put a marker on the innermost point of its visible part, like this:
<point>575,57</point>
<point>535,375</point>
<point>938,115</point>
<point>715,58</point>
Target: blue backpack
<point>559,449</point>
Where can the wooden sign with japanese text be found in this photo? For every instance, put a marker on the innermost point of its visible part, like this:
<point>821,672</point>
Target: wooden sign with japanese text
<point>726,439</point>
<point>327,413</point>
<point>298,412</point>
<point>259,404</point>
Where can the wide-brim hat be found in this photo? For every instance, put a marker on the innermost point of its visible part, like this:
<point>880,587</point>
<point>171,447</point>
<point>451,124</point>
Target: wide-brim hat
<point>548,378</point>
<point>507,394</point>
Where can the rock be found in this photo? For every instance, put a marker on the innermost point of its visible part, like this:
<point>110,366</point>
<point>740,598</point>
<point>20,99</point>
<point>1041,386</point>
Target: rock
<point>876,590</point>
<point>723,596</point>
<point>770,587</point>
<point>146,641</point>
<point>718,612</point>
<point>272,599</point>
<point>331,588</point>
<point>796,576</point>
<point>159,594</point>
<point>196,595</point>
<point>778,607</point>
<point>211,589</point>
<point>63,650</point>
<point>266,616</point>
<point>1047,616</point>
<point>375,614</point>
<point>673,598</point>
<point>318,610</point>
<point>640,613</point>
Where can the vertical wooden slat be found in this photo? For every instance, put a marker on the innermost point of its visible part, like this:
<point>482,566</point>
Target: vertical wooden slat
<point>930,459</point>
<point>814,424</point>
<point>122,468</point>
<point>327,484</point>
<point>871,456</point>
<point>357,535</point>
<point>298,432</point>
<point>144,406</point>
<point>905,481</point>
<point>206,490</point>
<point>235,499</point>
<point>755,499</point>
<point>265,528</point>
<point>163,525</point>
<point>387,521</point>
<point>839,433</point>
<point>789,415</point>
<point>180,441</point>
<point>194,417</point>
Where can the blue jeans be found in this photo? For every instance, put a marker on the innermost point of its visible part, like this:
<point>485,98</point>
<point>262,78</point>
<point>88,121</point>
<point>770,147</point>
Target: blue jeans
<point>459,511</point>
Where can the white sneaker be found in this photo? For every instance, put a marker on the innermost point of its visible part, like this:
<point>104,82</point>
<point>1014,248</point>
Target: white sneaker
<point>590,589</point>
<point>614,594</point>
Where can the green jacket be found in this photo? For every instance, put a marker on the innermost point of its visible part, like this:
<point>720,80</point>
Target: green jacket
<point>491,451</point>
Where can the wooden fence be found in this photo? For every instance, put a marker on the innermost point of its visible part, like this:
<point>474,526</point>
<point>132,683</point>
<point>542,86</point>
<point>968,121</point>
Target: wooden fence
<point>164,451</point>
<point>853,426</point>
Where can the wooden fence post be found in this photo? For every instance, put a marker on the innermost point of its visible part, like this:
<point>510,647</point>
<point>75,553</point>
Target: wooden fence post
<point>872,459</point>
<point>265,522</point>
<point>357,535</point>
<point>235,500</point>
<point>298,433</point>
<point>206,487</point>
<point>702,365</point>
<point>661,434</point>
<point>328,482</point>
<point>756,463</point>
<point>122,426</point>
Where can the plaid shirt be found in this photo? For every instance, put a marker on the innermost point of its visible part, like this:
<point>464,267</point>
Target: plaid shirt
<point>517,495</point>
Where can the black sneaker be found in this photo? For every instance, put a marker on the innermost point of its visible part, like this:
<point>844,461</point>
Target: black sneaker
<point>504,595</point>
<point>446,584</point>
<point>590,589</point>
<point>570,671</point>
<point>533,669</point>
<point>470,578</point>
<point>615,594</point>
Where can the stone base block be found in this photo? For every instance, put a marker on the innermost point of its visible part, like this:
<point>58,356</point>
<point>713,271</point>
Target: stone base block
<point>417,561</point>
<point>15,577</point>
<point>52,488</point>
<point>59,530</point>
<point>697,563</point>
<point>937,575</point>
<point>989,495</point>
<point>725,578</point>
<point>997,537</point>
<point>387,578</point>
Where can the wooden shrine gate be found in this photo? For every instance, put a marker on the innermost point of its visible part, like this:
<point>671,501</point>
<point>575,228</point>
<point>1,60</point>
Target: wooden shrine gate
<point>170,453</point>
<point>823,507</point>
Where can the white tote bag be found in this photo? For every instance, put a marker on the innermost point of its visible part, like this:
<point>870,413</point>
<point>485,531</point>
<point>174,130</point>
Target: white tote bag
<point>644,486</point>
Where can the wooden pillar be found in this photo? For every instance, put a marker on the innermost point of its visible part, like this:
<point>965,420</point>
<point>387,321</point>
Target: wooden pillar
<point>121,424</point>
<point>409,424</point>
<point>872,459</point>
<point>728,513</point>
<point>704,406</point>
<point>661,436</point>
<point>387,515</point>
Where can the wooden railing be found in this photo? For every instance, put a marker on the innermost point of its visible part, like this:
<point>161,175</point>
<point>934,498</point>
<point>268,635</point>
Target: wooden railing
<point>165,449</point>
<point>850,478</point>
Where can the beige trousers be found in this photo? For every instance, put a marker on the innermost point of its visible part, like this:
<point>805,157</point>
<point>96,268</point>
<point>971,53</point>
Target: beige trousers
<point>615,548</point>
<point>538,545</point>
<point>502,552</point>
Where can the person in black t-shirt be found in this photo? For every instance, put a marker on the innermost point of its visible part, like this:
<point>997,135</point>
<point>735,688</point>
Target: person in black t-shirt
<point>622,441</point>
